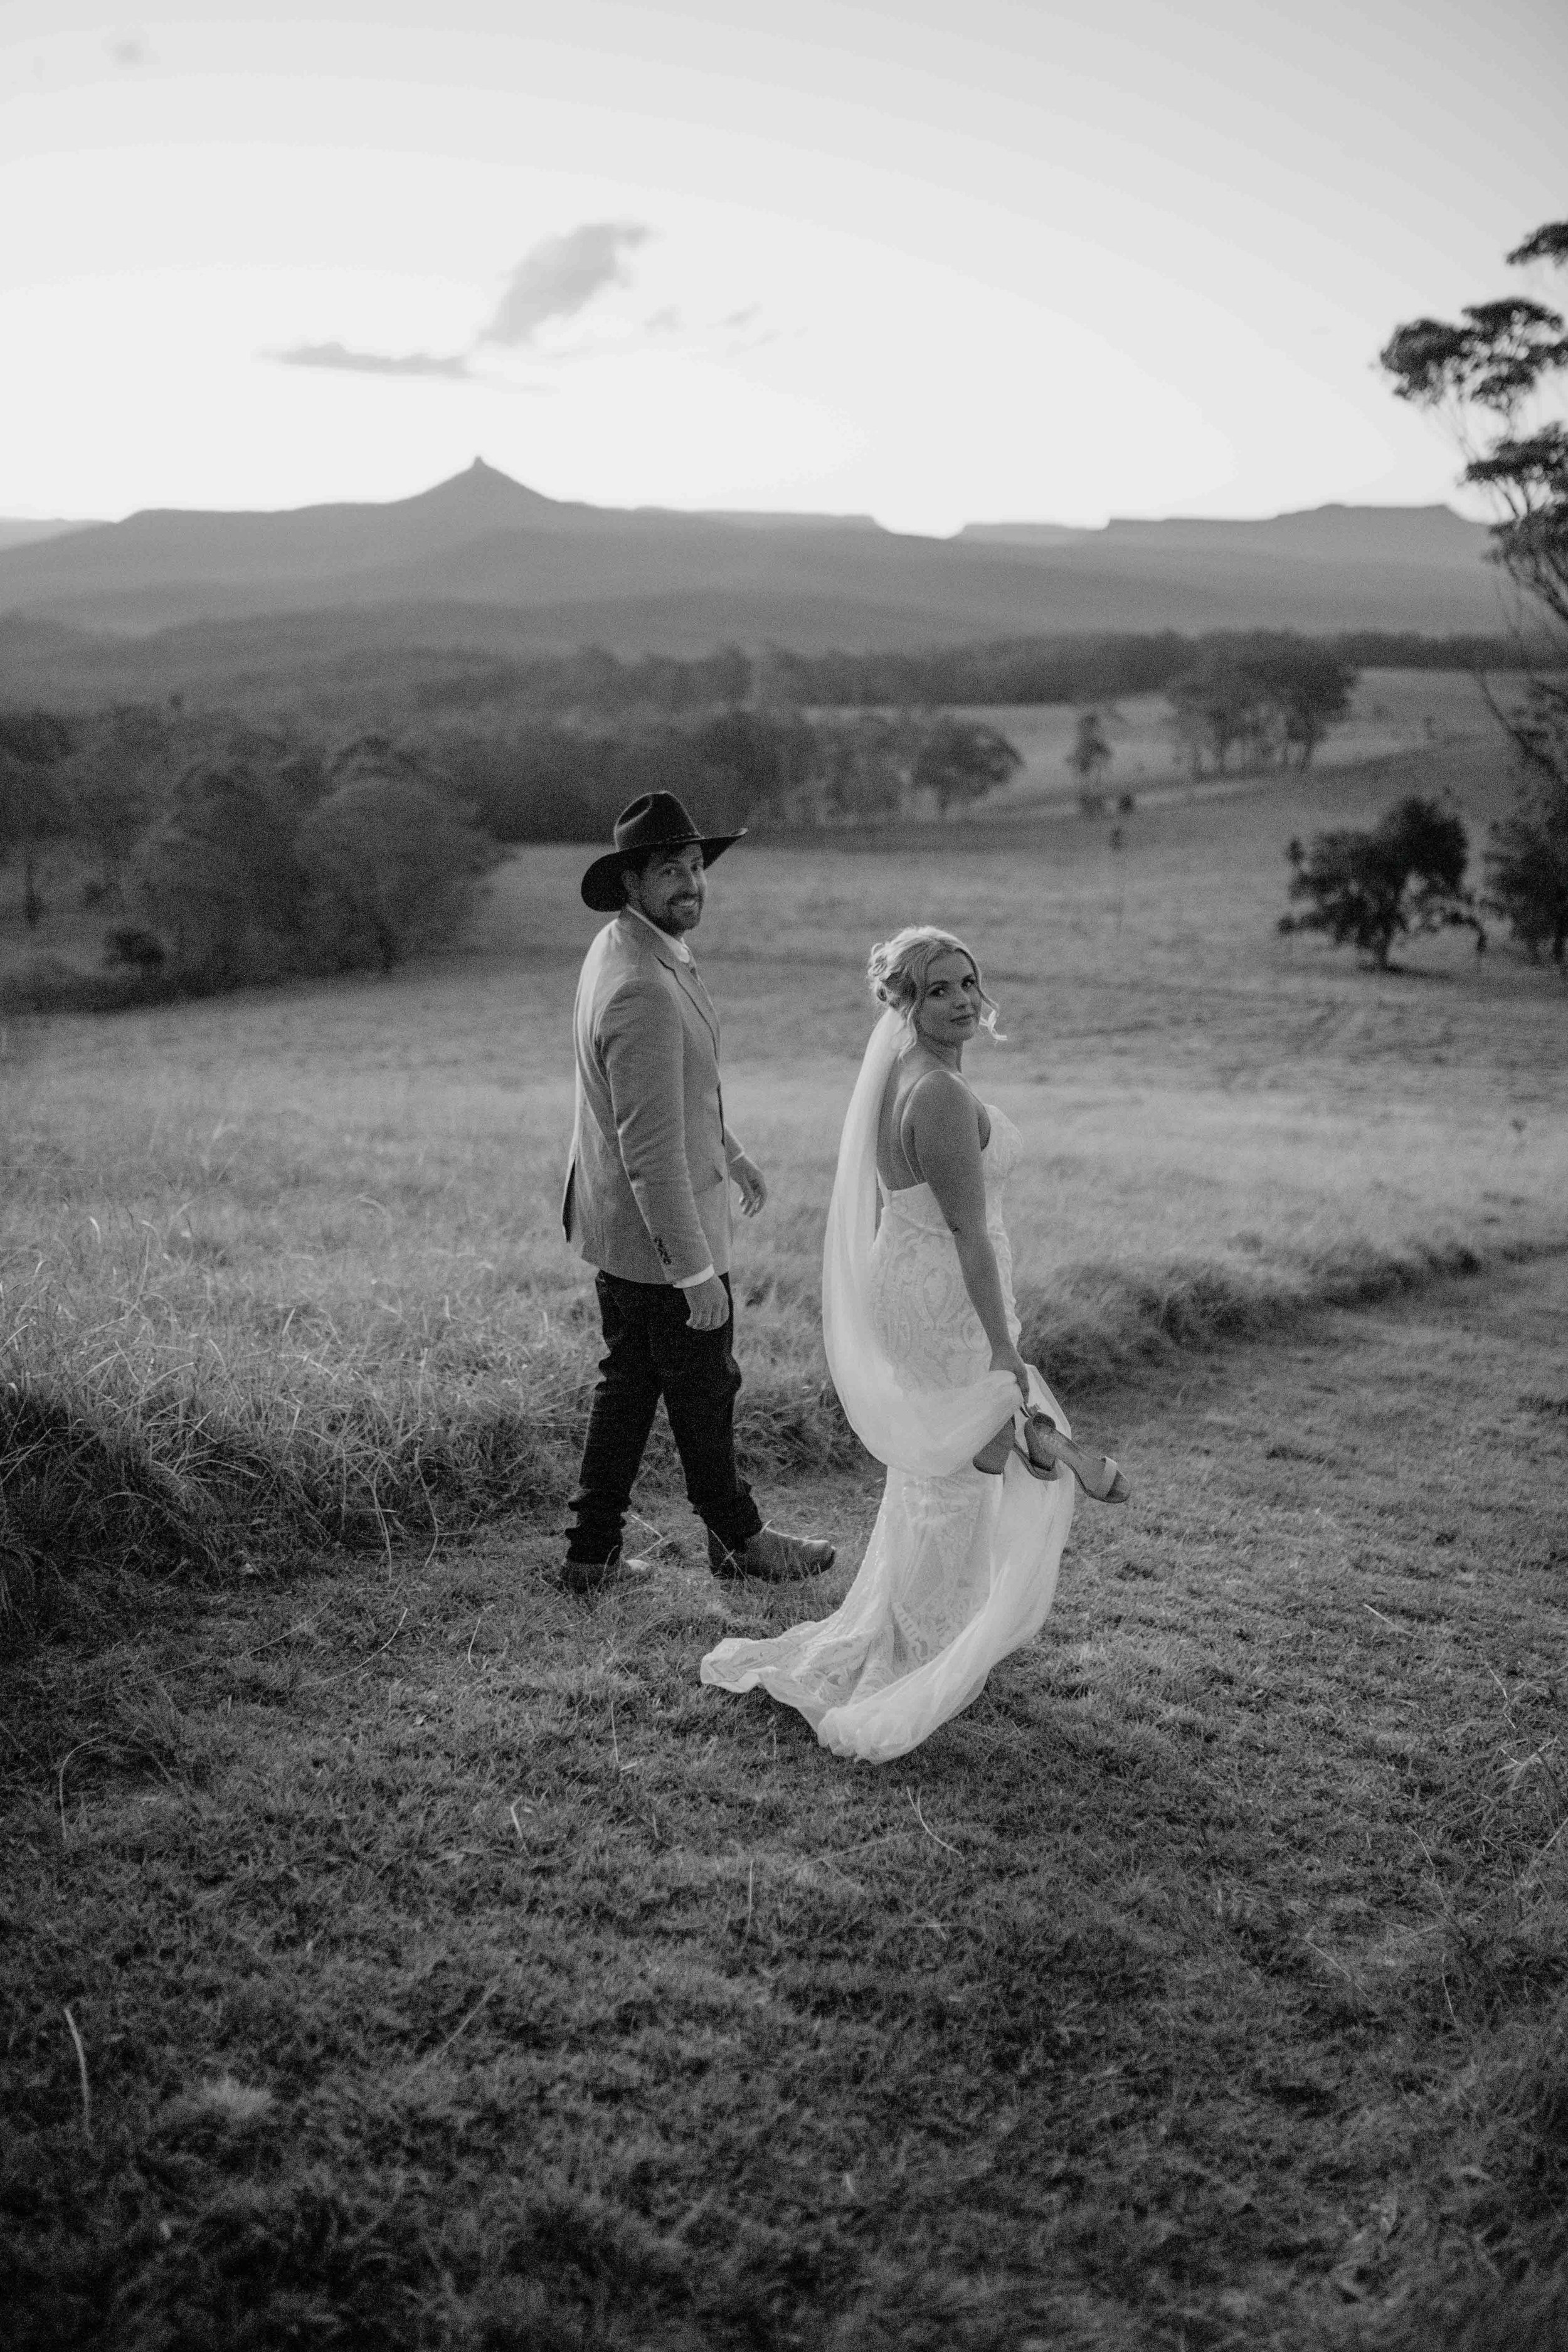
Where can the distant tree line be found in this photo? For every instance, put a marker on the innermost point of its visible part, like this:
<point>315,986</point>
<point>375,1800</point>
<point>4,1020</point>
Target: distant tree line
<point>1009,671</point>
<point>595,683</point>
<point>222,855</point>
<point>838,757</point>
<point>223,851</point>
<point>1379,649</point>
<point>1013,670</point>
<point>564,780</point>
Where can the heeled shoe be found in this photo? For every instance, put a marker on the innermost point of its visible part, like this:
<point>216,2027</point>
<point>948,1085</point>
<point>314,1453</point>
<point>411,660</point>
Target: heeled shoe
<point>992,1458</point>
<point>1098,1474</point>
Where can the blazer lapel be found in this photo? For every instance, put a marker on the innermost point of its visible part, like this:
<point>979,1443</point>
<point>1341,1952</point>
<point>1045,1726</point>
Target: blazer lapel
<point>685,971</point>
<point>690,980</point>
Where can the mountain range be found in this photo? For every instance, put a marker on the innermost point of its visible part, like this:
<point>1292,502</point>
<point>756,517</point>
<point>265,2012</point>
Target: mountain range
<point>484,561</point>
<point>15,533</point>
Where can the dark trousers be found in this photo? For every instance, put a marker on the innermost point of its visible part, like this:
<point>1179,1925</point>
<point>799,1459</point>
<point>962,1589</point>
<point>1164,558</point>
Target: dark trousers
<point>652,1350</point>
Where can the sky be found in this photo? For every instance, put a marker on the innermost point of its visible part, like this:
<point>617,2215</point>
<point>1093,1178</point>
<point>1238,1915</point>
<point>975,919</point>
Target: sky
<point>937,261</point>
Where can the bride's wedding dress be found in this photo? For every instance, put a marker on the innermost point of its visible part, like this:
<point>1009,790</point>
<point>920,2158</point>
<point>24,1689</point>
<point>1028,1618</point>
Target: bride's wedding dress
<point>962,1566</point>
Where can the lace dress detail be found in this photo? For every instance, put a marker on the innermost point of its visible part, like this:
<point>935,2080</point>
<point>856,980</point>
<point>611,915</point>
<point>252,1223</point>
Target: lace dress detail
<point>935,1338</point>
<point>961,1566</point>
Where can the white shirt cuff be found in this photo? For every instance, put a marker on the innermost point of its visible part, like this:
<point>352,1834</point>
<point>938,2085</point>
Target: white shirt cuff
<point>694,1281</point>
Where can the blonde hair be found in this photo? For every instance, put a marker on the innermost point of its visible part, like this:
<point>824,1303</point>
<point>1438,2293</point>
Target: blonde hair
<point>900,968</point>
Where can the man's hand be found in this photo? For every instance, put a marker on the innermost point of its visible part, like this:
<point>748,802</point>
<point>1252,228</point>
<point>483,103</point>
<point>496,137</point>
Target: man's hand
<point>708,1306</point>
<point>749,1177</point>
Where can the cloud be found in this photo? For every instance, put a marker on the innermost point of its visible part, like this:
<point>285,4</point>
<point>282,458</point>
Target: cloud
<point>454,367</point>
<point>556,279</point>
<point>560,275</point>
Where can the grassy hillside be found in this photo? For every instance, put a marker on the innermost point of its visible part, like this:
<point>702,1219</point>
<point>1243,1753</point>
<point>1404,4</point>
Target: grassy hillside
<point>399,1954</point>
<point>1393,712</point>
<point>306,1242</point>
<point>1433,716</point>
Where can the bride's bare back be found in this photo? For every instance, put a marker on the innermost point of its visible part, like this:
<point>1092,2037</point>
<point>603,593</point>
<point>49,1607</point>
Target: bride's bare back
<point>939,1120</point>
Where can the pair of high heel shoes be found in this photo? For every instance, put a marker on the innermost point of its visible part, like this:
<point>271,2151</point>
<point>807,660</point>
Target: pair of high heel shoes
<point>1045,1450</point>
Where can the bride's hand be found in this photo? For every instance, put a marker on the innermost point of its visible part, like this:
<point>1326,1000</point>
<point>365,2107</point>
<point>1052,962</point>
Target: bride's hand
<point>1008,1360</point>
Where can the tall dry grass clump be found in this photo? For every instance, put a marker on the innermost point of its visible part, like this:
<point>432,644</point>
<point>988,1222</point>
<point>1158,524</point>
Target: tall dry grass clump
<point>135,1425</point>
<point>154,1407</point>
<point>251,1353</point>
<point>1101,1322</point>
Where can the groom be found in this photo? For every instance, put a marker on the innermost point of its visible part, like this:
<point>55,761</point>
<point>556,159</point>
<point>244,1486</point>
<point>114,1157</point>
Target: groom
<point>648,1202</point>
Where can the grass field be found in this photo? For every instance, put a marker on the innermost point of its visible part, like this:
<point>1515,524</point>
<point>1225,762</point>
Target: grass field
<point>448,1969</point>
<point>1393,712</point>
<point>305,1243</point>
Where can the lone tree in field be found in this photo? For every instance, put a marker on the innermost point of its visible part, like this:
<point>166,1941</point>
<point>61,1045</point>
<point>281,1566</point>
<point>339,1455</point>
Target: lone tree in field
<point>961,759</point>
<point>1307,689</point>
<point>749,763</point>
<point>1406,876</point>
<point>1215,707</point>
<point>1527,868</point>
<point>1270,693</point>
<point>861,762</point>
<point>390,866</point>
<point>1089,757</point>
<point>1496,378</point>
<point>215,885</point>
<point>35,807</point>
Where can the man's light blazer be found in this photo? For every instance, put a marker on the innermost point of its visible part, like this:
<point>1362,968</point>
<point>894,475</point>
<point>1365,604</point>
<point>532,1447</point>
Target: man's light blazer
<point>647,1190</point>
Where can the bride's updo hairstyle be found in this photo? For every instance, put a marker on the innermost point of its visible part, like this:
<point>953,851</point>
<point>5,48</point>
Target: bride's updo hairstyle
<point>899,971</point>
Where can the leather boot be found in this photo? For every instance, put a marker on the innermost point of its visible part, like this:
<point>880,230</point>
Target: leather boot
<point>771,1555</point>
<point>584,1577</point>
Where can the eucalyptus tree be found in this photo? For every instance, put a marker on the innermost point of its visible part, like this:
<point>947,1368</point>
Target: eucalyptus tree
<point>35,805</point>
<point>1496,377</point>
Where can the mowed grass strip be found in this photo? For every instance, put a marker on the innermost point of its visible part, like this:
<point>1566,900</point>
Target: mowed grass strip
<point>448,1968</point>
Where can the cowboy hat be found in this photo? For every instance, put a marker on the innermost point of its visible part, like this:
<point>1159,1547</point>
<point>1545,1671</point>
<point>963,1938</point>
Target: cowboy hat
<point>656,821</point>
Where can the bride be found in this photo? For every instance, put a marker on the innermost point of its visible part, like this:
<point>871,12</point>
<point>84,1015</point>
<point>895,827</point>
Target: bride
<point>921,1336</point>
